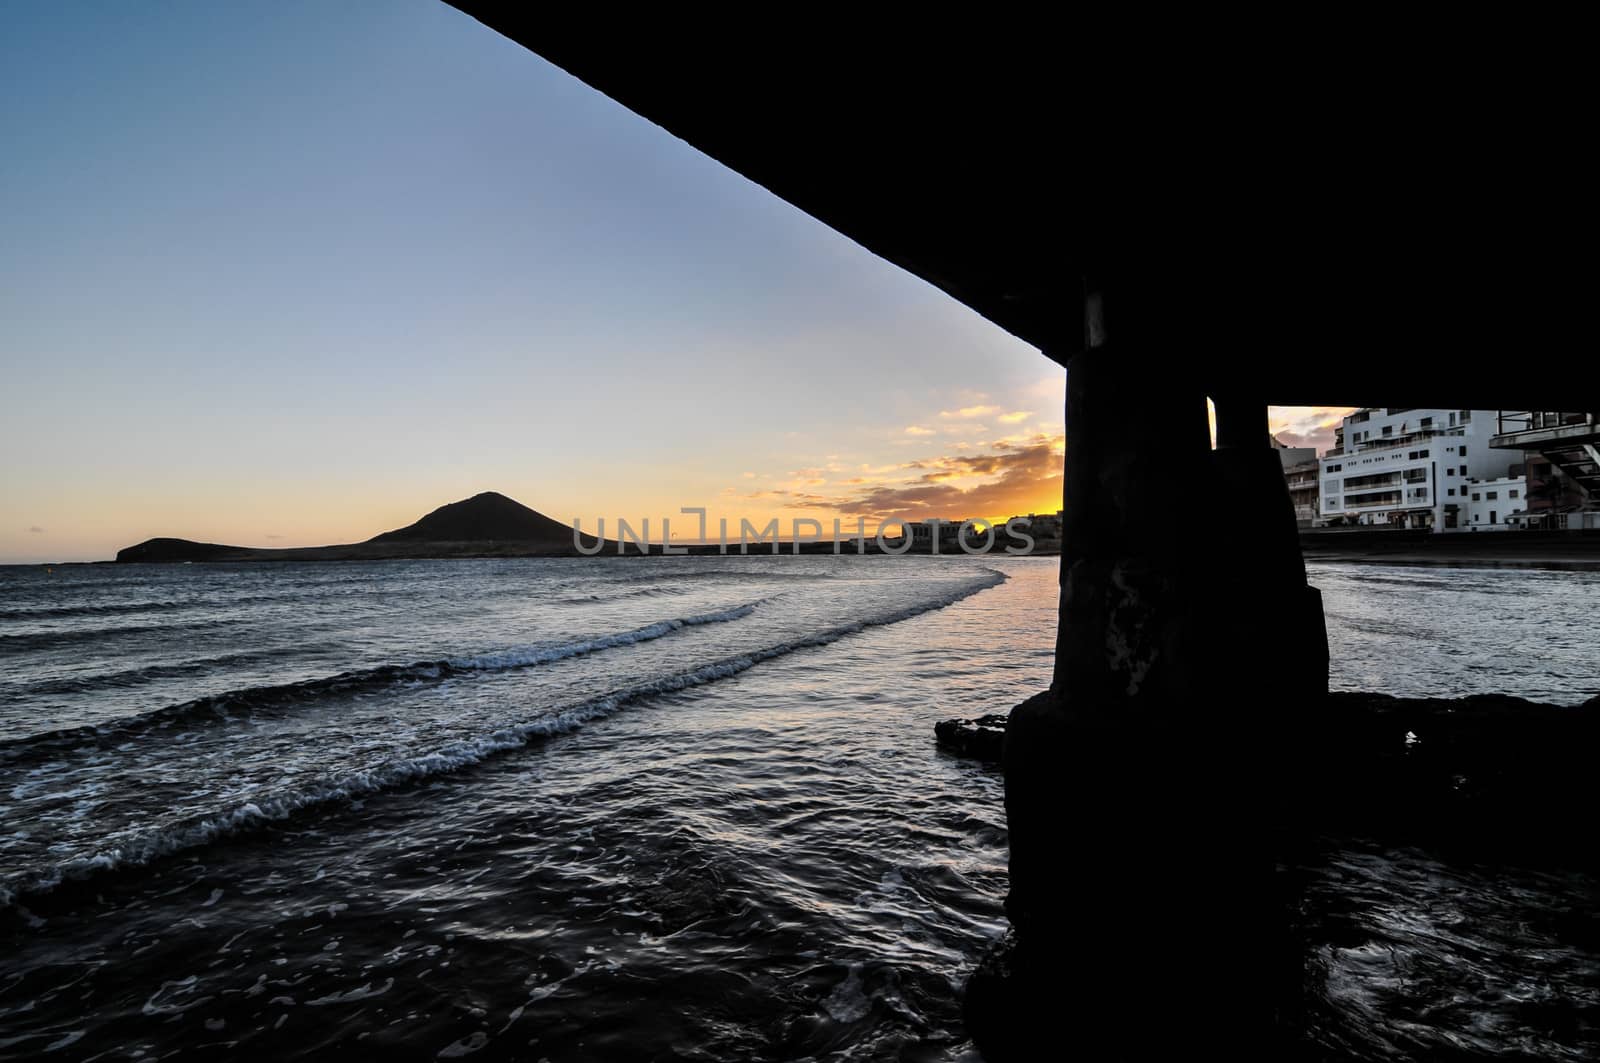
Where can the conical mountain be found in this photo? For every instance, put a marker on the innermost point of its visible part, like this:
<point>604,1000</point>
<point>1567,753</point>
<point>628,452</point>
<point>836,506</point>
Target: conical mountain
<point>488,517</point>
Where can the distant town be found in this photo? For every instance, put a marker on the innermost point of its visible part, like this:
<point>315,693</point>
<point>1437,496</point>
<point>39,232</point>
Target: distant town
<point>1451,471</point>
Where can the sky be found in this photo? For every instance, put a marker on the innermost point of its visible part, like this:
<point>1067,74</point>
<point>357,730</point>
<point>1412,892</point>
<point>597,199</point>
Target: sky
<point>284,274</point>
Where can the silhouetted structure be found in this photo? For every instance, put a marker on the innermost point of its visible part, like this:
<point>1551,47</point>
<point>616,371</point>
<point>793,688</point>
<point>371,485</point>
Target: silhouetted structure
<point>1210,208</point>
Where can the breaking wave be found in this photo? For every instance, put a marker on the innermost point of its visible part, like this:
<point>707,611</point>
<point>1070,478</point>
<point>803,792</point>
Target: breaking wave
<point>251,699</point>
<point>136,848</point>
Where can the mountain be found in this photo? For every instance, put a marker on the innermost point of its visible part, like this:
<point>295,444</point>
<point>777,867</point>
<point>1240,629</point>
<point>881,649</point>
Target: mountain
<point>485,525</point>
<point>488,517</point>
<point>180,550</point>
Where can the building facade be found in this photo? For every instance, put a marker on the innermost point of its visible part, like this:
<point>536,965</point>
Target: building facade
<point>1495,505</point>
<point>1409,467</point>
<point>1305,488</point>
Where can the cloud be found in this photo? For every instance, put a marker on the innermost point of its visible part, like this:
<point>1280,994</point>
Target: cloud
<point>1012,479</point>
<point>918,430</point>
<point>1015,417</point>
<point>968,412</point>
<point>1306,426</point>
<point>35,530</point>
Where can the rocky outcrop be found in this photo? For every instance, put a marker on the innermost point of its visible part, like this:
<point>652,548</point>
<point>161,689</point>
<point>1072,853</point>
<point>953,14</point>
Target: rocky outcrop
<point>980,738</point>
<point>1486,778</point>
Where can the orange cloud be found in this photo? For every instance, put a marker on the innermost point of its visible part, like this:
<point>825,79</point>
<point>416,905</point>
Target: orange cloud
<point>970,411</point>
<point>1014,478</point>
<point>1306,426</point>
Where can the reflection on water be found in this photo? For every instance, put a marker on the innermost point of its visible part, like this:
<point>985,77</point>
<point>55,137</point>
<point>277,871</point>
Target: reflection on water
<point>772,861</point>
<point>1413,957</point>
<point>775,863</point>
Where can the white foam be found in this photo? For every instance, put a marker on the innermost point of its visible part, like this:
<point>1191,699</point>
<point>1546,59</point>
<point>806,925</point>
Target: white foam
<point>139,848</point>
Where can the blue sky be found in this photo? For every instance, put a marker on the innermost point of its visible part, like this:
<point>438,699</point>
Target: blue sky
<point>294,273</point>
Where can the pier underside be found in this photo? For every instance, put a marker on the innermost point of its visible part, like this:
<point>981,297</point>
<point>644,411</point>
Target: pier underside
<point>1284,214</point>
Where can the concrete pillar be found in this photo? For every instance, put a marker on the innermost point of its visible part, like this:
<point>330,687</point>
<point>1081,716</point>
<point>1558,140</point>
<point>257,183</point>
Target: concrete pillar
<point>1136,786</point>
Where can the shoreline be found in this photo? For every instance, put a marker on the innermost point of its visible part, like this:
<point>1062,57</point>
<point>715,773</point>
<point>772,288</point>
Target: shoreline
<point>1575,550</point>
<point>1514,549</point>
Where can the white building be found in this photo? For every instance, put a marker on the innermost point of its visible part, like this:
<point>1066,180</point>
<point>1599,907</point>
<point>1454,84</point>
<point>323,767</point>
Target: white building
<point>1409,467</point>
<point>1494,505</point>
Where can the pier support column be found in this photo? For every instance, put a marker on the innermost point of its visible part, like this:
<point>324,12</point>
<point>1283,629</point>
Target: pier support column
<point>1136,786</point>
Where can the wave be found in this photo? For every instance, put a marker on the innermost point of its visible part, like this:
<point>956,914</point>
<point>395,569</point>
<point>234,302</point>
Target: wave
<point>132,677</point>
<point>216,598</point>
<point>51,612</point>
<point>137,848</point>
<point>44,640</point>
<point>250,699</point>
<point>612,596</point>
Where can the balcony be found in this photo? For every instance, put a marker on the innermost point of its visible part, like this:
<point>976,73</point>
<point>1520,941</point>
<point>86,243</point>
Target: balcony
<point>1366,446</point>
<point>1533,429</point>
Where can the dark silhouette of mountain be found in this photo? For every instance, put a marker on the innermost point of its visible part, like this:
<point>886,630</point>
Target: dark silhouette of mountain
<point>485,525</point>
<point>180,550</point>
<point>487,517</point>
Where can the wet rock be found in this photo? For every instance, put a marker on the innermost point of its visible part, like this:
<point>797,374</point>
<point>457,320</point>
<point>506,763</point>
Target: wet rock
<point>982,738</point>
<point>1110,894</point>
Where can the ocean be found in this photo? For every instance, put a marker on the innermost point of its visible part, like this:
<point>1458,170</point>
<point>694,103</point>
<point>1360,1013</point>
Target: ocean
<point>611,808</point>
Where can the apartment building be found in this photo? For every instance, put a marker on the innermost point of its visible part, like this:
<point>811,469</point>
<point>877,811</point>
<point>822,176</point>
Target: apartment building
<point>1410,467</point>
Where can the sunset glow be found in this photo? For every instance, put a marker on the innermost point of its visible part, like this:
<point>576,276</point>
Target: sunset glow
<point>442,266</point>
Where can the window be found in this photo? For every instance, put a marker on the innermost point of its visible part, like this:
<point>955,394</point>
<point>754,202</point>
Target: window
<point>1477,497</point>
<point>1513,493</point>
<point>1466,416</point>
<point>1463,450</point>
<point>1426,422</point>
<point>1463,470</point>
<point>1493,495</point>
<point>1388,429</point>
<point>1452,420</point>
<point>1494,518</point>
<point>1422,453</point>
<point>1452,492</point>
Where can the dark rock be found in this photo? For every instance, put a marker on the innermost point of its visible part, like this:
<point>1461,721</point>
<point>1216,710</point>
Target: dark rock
<point>1496,769</point>
<point>1482,779</point>
<point>982,738</point>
